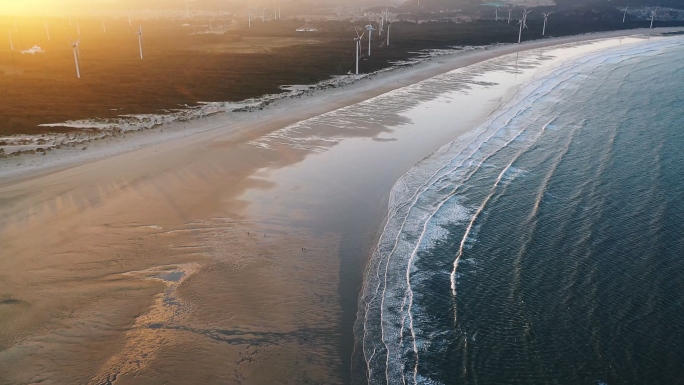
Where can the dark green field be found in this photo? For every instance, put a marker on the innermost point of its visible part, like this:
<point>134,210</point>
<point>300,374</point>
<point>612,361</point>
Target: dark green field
<point>183,68</point>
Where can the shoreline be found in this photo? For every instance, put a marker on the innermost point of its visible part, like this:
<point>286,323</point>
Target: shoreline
<point>431,227</point>
<point>266,230</point>
<point>369,85</point>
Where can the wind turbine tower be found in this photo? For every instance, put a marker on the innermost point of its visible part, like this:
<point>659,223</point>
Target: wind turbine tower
<point>104,27</point>
<point>74,45</point>
<point>140,39</point>
<point>510,11</point>
<point>624,15</point>
<point>389,23</point>
<point>358,49</point>
<point>385,19</point>
<point>496,14</point>
<point>653,15</point>
<point>370,30</point>
<point>47,30</point>
<point>78,28</point>
<point>523,24</point>
<point>546,18</point>
<point>10,40</point>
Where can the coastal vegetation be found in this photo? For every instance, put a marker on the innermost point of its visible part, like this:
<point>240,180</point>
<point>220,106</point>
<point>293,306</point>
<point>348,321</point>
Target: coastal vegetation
<point>185,64</point>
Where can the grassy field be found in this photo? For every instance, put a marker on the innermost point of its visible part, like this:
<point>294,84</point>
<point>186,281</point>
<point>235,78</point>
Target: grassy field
<point>183,68</point>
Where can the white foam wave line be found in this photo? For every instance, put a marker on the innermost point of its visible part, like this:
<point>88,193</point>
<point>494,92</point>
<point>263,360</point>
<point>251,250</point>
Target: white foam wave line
<point>425,223</point>
<point>384,230</point>
<point>532,217</point>
<point>420,240</point>
<point>449,196</point>
<point>482,206</point>
<point>369,370</point>
<point>411,202</point>
<point>566,69</point>
<point>419,193</point>
<point>365,329</point>
<point>421,189</point>
<point>401,331</point>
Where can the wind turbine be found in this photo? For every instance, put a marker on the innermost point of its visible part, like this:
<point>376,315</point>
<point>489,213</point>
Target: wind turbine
<point>546,18</point>
<point>385,19</point>
<point>510,11</point>
<point>653,15</point>
<point>523,24</point>
<point>389,23</point>
<point>47,30</point>
<point>496,14</point>
<point>370,30</point>
<point>358,48</point>
<point>10,39</point>
<point>263,15</point>
<point>624,15</point>
<point>187,11</point>
<point>140,45</point>
<point>130,22</point>
<point>78,28</point>
<point>249,19</point>
<point>74,45</point>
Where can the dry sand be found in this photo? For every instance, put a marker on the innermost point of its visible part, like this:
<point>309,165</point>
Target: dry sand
<point>157,259</point>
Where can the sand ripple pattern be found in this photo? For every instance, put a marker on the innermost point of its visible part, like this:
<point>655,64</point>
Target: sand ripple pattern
<point>380,114</point>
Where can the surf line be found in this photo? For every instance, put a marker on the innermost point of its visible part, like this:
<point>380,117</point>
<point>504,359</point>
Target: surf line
<point>484,204</point>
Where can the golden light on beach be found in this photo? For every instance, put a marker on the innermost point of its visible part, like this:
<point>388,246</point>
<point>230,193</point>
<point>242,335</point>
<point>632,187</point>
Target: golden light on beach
<point>340,192</point>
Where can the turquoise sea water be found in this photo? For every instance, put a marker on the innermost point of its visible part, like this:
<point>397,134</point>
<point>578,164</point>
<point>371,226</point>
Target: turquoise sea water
<point>546,247</point>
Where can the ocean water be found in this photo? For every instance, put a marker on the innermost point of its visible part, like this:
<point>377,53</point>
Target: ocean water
<point>547,246</point>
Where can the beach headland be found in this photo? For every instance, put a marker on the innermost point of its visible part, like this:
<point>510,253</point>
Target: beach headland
<point>228,249</point>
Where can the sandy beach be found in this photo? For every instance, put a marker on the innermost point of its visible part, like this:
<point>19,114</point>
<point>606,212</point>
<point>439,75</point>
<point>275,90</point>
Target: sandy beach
<point>229,249</point>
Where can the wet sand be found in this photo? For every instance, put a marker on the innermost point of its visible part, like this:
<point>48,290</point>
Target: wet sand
<point>206,258</point>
